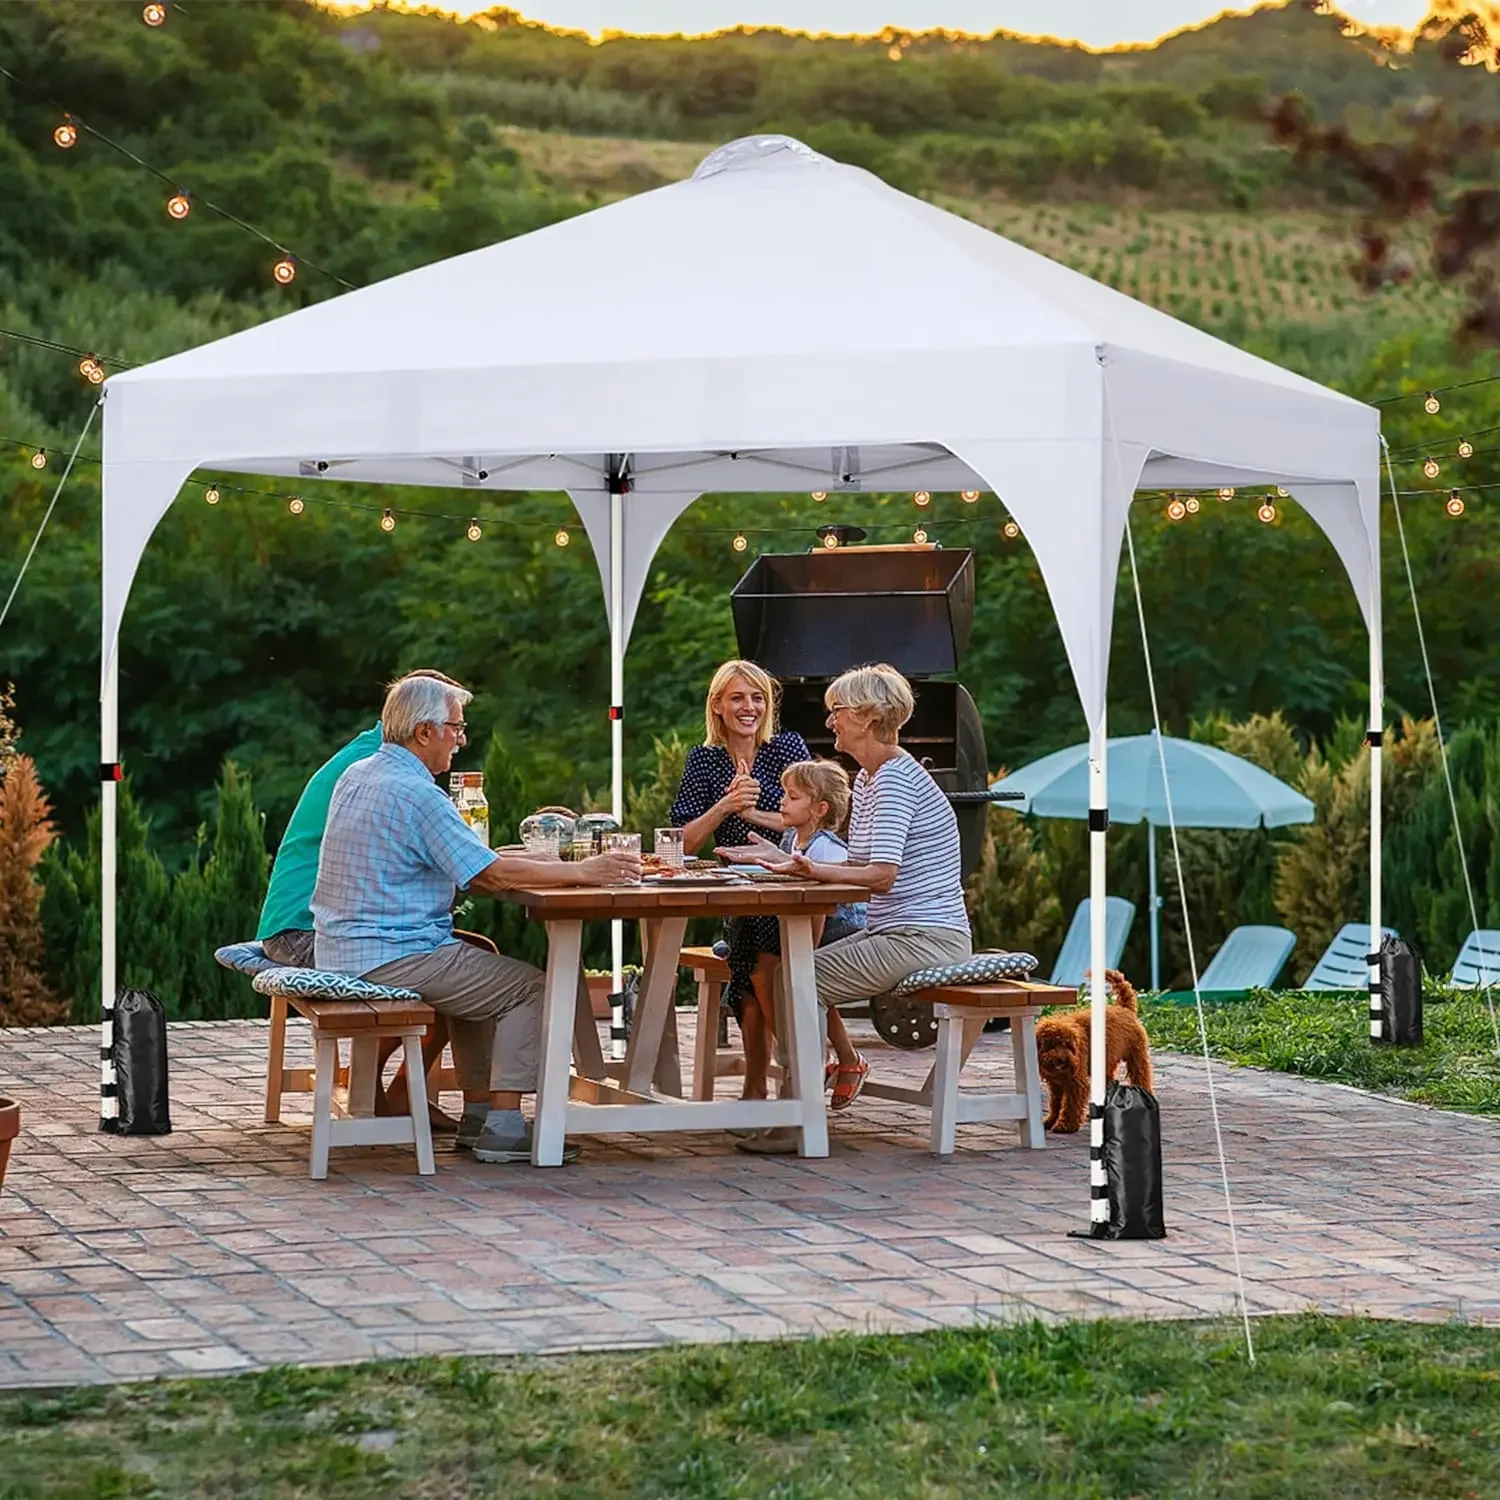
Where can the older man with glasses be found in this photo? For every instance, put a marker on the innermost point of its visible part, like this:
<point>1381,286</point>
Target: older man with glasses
<point>395,852</point>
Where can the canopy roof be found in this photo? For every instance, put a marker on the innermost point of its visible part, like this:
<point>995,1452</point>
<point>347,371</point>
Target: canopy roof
<point>779,321</point>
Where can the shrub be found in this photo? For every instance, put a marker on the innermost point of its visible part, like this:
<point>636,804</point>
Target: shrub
<point>1011,900</point>
<point>25,833</point>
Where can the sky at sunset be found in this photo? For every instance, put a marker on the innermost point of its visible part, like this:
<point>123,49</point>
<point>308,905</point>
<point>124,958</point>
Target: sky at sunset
<point>1098,23</point>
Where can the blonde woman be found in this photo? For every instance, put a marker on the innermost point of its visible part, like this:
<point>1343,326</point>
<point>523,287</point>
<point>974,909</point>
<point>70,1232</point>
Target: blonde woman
<point>903,849</point>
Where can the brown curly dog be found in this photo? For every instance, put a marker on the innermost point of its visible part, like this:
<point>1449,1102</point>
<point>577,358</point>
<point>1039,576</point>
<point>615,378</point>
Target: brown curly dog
<point>1062,1044</point>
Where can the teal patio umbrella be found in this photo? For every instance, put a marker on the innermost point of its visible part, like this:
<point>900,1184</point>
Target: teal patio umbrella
<point>1210,789</point>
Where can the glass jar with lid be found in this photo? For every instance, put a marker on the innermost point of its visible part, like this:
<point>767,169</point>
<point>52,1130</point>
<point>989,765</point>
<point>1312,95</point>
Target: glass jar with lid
<point>549,830</point>
<point>589,831</point>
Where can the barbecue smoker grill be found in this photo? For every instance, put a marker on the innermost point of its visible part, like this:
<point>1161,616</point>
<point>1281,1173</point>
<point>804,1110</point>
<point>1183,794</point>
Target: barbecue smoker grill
<point>807,616</point>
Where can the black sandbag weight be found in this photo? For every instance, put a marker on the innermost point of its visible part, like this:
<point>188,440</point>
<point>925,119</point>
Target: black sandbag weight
<point>1132,1165</point>
<point>139,1054</point>
<point>1400,993</point>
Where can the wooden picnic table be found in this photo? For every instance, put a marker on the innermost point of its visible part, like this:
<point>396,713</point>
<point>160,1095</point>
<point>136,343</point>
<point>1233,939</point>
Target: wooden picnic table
<point>590,1101</point>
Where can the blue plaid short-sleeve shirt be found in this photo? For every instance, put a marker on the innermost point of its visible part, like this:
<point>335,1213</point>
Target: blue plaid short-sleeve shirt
<point>395,851</point>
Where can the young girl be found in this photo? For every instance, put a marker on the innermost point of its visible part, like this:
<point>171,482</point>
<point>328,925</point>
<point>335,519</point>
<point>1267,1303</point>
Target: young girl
<point>814,804</point>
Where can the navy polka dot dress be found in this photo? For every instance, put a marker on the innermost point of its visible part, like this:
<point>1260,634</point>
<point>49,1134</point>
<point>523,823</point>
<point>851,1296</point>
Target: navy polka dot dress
<point>705,778</point>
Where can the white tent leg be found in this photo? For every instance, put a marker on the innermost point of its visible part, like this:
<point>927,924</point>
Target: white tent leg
<point>1155,901</point>
<point>617,732</point>
<point>109,753</point>
<point>1376,730</point>
<point>1098,996</point>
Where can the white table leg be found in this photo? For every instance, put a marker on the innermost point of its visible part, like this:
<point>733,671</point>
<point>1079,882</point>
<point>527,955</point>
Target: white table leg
<point>950,1048</point>
<point>421,1125</point>
<point>588,1056</point>
<point>706,1040</point>
<point>803,1033</point>
<point>658,984</point>
<point>1028,1079</point>
<point>326,1059</point>
<point>559,1002</point>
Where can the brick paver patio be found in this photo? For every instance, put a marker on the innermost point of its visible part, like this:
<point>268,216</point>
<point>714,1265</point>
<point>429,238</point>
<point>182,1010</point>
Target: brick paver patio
<point>210,1250</point>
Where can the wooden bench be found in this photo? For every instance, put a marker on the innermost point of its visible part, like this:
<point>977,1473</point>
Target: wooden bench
<point>344,1098</point>
<point>711,1061</point>
<point>961,1011</point>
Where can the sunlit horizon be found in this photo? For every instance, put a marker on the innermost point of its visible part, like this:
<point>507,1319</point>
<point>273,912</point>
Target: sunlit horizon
<point>1091,23</point>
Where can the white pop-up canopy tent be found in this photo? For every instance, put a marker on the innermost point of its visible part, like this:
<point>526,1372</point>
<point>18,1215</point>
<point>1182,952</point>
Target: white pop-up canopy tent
<point>778,321</point>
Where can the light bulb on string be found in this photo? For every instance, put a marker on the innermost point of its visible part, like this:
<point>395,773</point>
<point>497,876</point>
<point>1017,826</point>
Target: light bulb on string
<point>178,206</point>
<point>211,494</point>
<point>475,530</point>
<point>296,505</point>
<point>66,135</point>
<point>91,370</point>
<point>1465,448</point>
<point>831,540</point>
<point>740,541</point>
<point>922,499</point>
<point>820,495</point>
<point>561,538</point>
<point>155,14</point>
<point>1281,493</point>
<point>919,536</point>
<point>1455,505</point>
<point>388,521</point>
<point>1432,405</point>
<point>1176,510</point>
<point>1267,512</point>
<point>969,497</point>
<point>1430,468</point>
<point>39,459</point>
<point>1227,492</point>
<point>1192,504</point>
<point>285,270</point>
<point>1012,530</point>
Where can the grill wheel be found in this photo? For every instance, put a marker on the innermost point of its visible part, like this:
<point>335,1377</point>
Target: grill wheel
<point>904,1022</point>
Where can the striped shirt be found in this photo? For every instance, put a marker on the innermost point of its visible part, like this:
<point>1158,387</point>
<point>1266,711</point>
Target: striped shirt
<point>395,849</point>
<point>901,818</point>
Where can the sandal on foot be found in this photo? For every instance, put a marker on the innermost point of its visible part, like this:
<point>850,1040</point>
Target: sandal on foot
<point>845,1091</point>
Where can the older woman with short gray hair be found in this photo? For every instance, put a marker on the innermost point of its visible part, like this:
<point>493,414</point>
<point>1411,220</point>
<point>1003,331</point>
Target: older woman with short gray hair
<point>903,849</point>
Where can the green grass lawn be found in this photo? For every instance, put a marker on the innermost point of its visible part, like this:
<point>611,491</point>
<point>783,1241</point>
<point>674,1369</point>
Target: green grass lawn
<point>1327,1036</point>
<point>1334,1407</point>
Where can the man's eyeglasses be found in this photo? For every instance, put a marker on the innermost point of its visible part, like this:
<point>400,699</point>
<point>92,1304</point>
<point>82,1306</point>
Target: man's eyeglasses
<point>459,728</point>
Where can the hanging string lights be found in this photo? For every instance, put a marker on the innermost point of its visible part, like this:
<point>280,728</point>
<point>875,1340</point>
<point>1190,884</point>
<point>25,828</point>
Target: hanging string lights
<point>39,459</point>
<point>211,494</point>
<point>922,499</point>
<point>285,270</point>
<point>475,530</point>
<point>1455,505</point>
<point>154,14</point>
<point>388,520</point>
<point>1432,406</point>
<point>969,497</point>
<point>740,542</point>
<point>1176,510</point>
<point>1267,511</point>
<point>919,536</point>
<point>560,537</point>
<point>91,369</point>
<point>1227,493</point>
<point>1012,531</point>
<point>830,539</point>
<point>1193,505</point>
<point>66,134</point>
<point>820,495</point>
<point>1430,468</point>
<point>296,505</point>
<point>1465,448</point>
<point>178,205</point>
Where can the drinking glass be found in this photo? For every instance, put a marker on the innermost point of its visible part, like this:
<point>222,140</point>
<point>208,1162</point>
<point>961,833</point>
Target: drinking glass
<point>669,847</point>
<point>541,843</point>
<point>624,843</point>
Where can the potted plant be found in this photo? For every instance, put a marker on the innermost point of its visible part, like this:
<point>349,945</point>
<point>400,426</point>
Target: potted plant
<point>601,985</point>
<point>10,1128</point>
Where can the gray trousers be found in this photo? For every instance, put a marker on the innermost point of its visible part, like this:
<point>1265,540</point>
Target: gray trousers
<point>866,964</point>
<point>494,1010</point>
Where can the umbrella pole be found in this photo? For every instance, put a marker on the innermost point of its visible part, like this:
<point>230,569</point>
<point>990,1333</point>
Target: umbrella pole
<point>1155,906</point>
<point>109,753</point>
<point>1098,994</point>
<point>617,723</point>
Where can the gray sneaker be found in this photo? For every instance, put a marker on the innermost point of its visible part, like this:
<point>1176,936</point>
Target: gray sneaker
<point>491,1147</point>
<point>470,1127</point>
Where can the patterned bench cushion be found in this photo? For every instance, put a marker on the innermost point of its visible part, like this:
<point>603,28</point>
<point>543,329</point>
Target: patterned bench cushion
<point>248,958</point>
<point>980,969</point>
<point>323,984</point>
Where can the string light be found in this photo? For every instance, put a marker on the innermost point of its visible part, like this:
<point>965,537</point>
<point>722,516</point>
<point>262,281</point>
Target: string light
<point>1432,405</point>
<point>285,270</point>
<point>1465,448</point>
<point>39,459</point>
<point>1192,505</point>
<point>155,14</point>
<point>178,206</point>
<point>475,530</point>
<point>211,494</point>
<point>1455,505</point>
<point>820,495</point>
<point>562,538</point>
<point>740,542</point>
<point>1012,530</point>
<point>296,505</point>
<point>1176,510</point>
<point>1227,493</point>
<point>66,134</point>
<point>922,498</point>
<point>388,521</point>
<point>830,540</point>
<point>1267,512</point>
<point>91,370</point>
<point>968,496</point>
<point>919,536</point>
<point>1430,468</point>
<point>1282,492</point>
